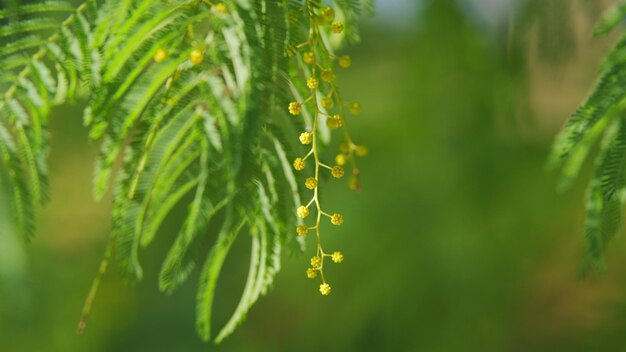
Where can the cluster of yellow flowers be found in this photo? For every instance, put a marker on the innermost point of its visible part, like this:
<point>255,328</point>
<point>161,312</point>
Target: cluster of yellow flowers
<point>326,106</point>
<point>324,96</point>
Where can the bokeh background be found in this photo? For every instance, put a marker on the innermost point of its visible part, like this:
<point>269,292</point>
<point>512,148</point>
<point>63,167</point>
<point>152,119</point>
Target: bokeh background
<point>458,241</point>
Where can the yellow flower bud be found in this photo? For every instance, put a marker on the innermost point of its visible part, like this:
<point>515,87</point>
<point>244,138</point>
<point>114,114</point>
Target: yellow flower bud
<point>328,75</point>
<point>354,183</point>
<point>302,211</point>
<point>325,289</point>
<point>355,108</point>
<point>337,257</point>
<point>327,102</point>
<point>361,150</point>
<point>306,138</point>
<point>328,13</point>
<point>334,122</point>
<point>220,8</point>
<point>345,61</point>
<point>340,159</point>
<point>299,164</point>
<point>337,171</point>
<point>316,262</point>
<point>295,108</point>
<point>310,183</point>
<point>337,27</point>
<point>336,219</point>
<point>196,56</point>
<point>302,230</point>
<point>312,82</point>
<point>311,273</point>
<point>160,55</point>
<point>308,57</point>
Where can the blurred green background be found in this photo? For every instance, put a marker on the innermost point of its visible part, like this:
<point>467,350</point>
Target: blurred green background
<point>458,241</point>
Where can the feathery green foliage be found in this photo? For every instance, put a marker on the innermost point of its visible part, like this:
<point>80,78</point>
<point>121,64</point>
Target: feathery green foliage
<point>601,117</point>
<point>187,100</point>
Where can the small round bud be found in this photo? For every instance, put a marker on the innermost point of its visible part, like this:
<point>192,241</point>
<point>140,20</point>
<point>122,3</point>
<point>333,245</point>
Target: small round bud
<point>340,159</point>
<point>190,31</point>
<point>169,82</point>
<point>361,150</point>
<point>196,56</point>
<point>337,171</point>
<point>334,122</point>
<point>220,8</point>
<point>336,27</point>
<point>327,102</point>
<point>354,183</point>
<point>336,219</point>
<point>312,82</point>
<point>306,138</point>
<point>345,61</point>
<point>328,13</point>
<point>308,57</point>
<point>355,108</point>
<point>302,230</point>
<point>299,164</point>
<point>325,289</point>
<point>337,257</point>
<point>160,55</point>
<point>328,75</point>
<point>310,183</point>
<point>302,211</point>
<point>311,273</point>
<point>316,262</point>
<point>295,108</point>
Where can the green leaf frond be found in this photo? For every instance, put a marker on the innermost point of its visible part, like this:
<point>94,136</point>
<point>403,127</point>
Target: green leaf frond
<point>188,101</point>
<point>600,118</point>
<point>604,202</point>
